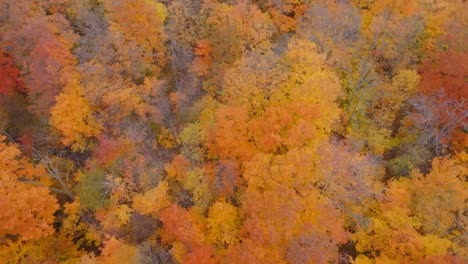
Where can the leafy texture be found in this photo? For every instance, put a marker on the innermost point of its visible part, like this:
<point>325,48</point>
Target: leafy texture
<point>28,209</point>
<point>233,131</point>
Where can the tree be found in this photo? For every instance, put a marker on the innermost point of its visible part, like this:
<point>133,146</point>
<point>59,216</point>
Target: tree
<point>182,225</point>
<point>444,71</point>
<point>377,108</point>
<point>420,216</point>
<point>194,139</point>
<point>223,224</point>
<point>50,249</point>
<point>442,85</point>
<point>235,29</point>
<point>253,79</point>
<point>27,208</point>
<point>350,179</point>
<point>277,108</point>
<point>73,117</point>
<point>229,139</point>
<point>284,13</point>
<point>440,121</point>
<point>138,25</point>
<point>44,55</point>
<point>311,81</point>
<point>90,189</point>
<point>394,29</point>
<point>10,79</point>
<point>116,251</point>
<point>323,23</point>
<point>202,63</point>
<point>303,228</point>
<point>152,201</point>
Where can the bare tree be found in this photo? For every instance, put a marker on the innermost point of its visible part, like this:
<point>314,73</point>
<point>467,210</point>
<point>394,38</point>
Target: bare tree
<point>55,173</point>
<point>437,117</point>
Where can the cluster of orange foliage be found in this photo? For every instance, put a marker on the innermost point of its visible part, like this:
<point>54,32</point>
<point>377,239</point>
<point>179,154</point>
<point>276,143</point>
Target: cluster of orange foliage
<point>233,131</point>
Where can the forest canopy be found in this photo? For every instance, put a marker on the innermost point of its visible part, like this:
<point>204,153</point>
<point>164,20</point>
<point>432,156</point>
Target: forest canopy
<point>233,131</point>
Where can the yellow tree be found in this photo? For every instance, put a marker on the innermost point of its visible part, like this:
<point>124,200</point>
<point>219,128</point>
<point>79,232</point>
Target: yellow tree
<point>378,107</point>
<point>234,29</point>
<point>115,251</point>
<point>253,79</point>
<point>223,224</point>
<point>139,34</point>
<point>311,81</point>
<point>73,117</point>
<point>303,228</point>
<point>152,201</point>
<point>420,217</point>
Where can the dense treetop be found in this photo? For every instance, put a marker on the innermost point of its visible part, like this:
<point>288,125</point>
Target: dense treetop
<point>233,131</point>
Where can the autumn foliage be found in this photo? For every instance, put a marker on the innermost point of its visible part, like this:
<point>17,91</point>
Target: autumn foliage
<point>233,131</point>
<point>28,209</point>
